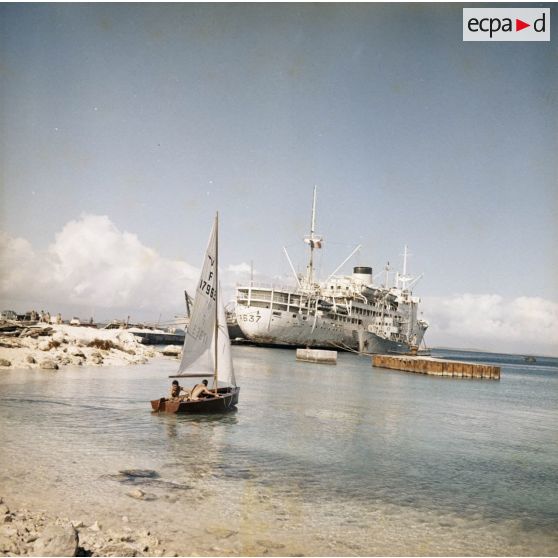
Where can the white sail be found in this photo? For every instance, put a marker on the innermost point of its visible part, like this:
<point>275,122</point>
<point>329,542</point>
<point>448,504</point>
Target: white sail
<point>198,353</point>
<point>225,370</point>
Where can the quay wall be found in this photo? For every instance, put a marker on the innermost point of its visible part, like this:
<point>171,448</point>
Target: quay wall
<point>437,367</point>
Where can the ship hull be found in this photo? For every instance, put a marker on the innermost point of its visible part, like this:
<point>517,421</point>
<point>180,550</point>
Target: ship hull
<point>265,326</point>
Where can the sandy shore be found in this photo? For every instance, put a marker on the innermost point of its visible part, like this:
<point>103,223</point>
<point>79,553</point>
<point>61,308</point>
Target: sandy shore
<point>53,346</point>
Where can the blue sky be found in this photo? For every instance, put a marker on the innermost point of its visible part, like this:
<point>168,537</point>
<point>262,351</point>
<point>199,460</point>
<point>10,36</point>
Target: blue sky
<point>155,116</point>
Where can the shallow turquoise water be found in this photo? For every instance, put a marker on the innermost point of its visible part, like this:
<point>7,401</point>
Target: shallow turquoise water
<point>345,446</point>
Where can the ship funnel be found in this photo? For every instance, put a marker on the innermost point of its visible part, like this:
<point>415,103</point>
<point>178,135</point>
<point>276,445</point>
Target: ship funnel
<point>363,275</point>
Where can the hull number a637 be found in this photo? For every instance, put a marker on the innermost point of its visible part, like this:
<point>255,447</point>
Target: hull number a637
<point>250,317</point>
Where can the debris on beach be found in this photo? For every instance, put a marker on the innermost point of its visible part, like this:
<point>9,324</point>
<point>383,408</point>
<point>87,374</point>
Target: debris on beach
<point>51,346</point>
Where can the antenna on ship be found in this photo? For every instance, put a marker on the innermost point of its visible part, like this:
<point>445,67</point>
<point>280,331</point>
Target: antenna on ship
<point>313,241</point>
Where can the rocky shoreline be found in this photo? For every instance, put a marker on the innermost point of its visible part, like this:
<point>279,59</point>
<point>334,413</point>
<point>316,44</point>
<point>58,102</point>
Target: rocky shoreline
<point>35,533</point>
<point>51,346</point>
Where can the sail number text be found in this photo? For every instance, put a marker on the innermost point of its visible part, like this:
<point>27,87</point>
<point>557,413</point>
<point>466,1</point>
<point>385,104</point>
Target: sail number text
<point>198,333</point>
<point>205,287</point>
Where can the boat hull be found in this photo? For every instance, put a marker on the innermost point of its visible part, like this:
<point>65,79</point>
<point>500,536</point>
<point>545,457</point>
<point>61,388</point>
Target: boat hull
<point>227,400</point>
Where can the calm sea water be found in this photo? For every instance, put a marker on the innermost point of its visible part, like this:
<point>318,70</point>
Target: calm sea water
<point>318,460</point>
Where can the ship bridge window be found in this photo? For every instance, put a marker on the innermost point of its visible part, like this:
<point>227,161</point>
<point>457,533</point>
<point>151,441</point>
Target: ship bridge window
<point>276,313</point>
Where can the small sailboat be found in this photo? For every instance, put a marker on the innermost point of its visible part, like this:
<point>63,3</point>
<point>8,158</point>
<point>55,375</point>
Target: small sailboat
<point>207,348</point>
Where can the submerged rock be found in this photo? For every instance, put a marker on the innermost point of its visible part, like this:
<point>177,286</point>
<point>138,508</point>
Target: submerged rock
<point>143,473</point>
<point>137,494</point>
<point>5,362</point>
<point>220,532</point>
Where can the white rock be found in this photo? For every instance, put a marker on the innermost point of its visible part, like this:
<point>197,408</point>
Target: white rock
<point>59,336</point>
<point>44,345</point>
<point>172,350</point>
<point>96,526</point>
<point>56,540</point>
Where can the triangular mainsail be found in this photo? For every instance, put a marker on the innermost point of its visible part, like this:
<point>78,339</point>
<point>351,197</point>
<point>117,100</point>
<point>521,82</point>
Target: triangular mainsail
<point>198,353</point>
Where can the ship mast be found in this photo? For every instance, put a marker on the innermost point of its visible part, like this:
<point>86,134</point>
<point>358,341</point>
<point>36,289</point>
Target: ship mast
<point>405,278</point>
<point>313,241</point>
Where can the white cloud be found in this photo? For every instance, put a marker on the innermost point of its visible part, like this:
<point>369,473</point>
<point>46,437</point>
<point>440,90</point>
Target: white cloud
<point>488,321</point>
<point>239,269</point>
<point>93,264</point>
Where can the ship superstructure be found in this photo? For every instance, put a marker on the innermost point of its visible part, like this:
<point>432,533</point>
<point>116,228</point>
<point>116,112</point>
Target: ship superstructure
<point>346,312</point>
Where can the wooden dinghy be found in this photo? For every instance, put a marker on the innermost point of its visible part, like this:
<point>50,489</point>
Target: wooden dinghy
<point>225,401</point>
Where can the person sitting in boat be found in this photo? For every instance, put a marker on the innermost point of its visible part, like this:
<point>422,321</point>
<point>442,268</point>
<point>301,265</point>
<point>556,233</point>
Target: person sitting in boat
<point>199,390</point>
<point>175,390</point>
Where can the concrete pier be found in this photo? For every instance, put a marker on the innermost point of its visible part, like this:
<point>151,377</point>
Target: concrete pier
<point>437,367</point>
<point>317,355</point>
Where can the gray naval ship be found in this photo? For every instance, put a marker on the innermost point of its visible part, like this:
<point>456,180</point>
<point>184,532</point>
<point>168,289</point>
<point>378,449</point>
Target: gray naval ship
<point>346,312</point>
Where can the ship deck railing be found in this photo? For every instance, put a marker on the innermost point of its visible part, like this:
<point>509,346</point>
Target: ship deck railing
<point>271,287</point>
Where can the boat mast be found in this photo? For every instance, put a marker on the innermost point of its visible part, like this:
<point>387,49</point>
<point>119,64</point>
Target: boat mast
<point>217,301</point>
